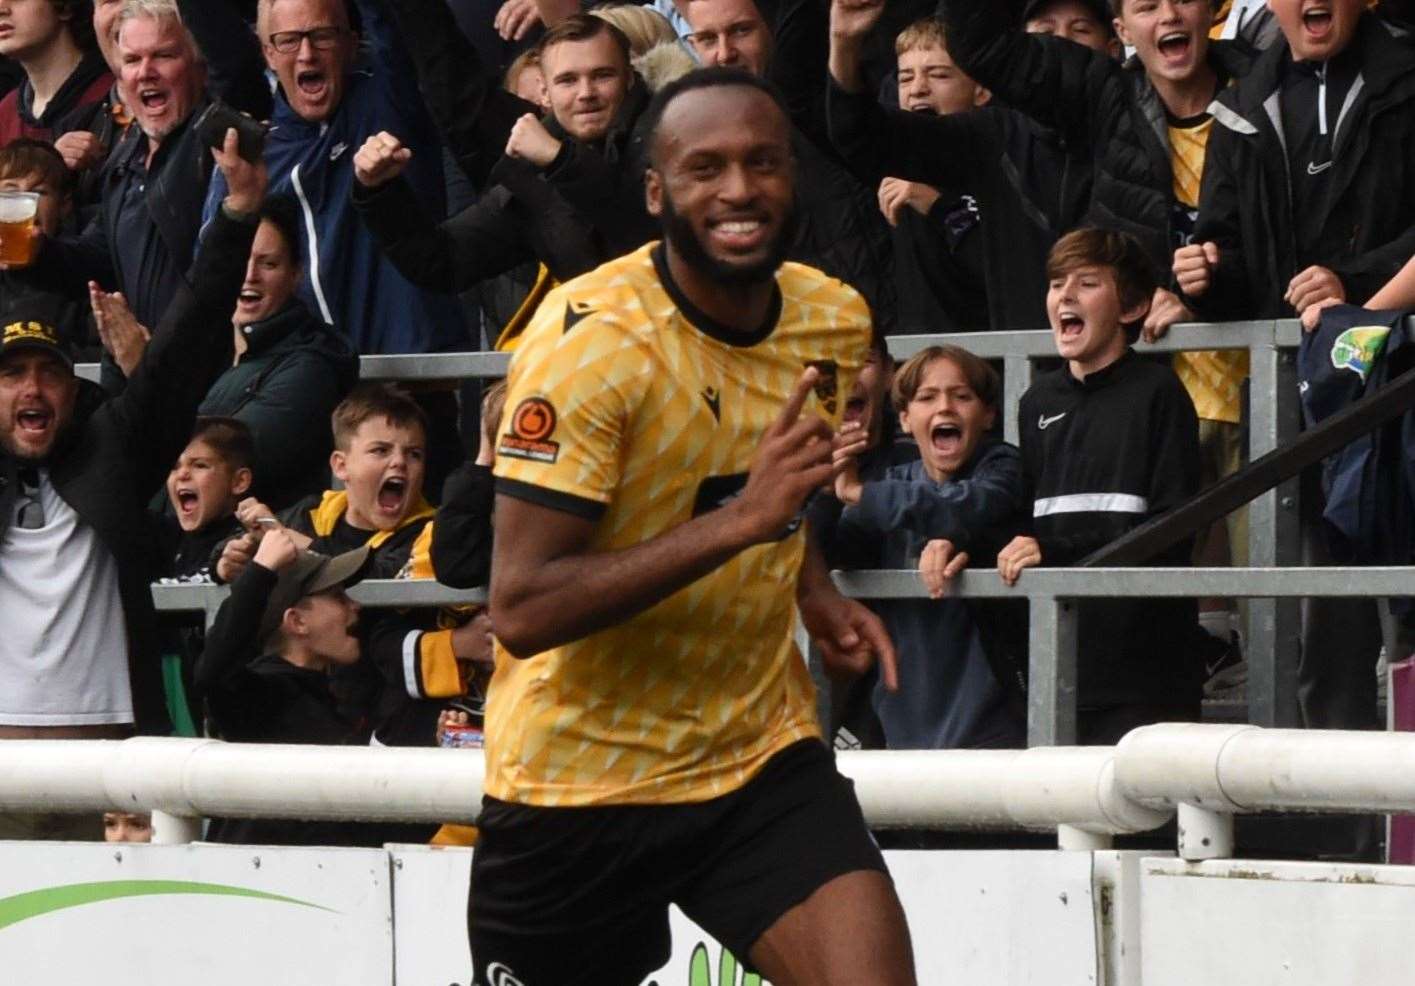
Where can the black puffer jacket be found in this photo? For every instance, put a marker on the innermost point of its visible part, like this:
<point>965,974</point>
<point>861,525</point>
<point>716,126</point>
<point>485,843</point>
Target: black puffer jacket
<point>116,453</point>
<point>1368,230</point>
<point>1090,99</point>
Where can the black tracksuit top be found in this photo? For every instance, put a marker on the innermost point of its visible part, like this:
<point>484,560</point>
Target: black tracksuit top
<point>1101,456</point>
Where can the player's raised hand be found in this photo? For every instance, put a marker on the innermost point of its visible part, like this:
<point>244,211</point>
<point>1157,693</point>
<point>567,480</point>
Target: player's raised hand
<point>792,461</point>
<point>382,158</point>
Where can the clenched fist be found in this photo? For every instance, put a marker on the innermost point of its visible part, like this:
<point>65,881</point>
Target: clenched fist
<point>382,158</point>
<point>1194,268</point>
<point>530,141</point>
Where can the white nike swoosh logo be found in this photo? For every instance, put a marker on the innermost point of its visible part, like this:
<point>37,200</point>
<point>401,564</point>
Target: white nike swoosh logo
<point>1316,169</point>
<point>1043,422</point>
<point>337,151</point>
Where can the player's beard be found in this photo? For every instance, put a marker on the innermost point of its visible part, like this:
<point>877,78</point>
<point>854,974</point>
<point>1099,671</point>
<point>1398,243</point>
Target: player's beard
<point>679,232</point>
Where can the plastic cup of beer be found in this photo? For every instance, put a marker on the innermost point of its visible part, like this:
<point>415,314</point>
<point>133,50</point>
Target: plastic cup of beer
<point>17,212</point>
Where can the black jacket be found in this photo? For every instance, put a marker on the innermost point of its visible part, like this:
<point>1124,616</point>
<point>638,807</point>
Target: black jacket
<point>529,214</point>
<point>1368,225</point>
<point>255,698</point>
<point>174,188</point>
<point>461,534</point>
<point>1030,184</point>
<point>1088,98</point>
<point>1102,456</point>
<point>115,454</point>
<point>284,387</point>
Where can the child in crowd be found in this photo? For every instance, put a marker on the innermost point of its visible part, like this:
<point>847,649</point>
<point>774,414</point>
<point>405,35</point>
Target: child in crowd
<point>379,436</point>
<point>127,826</point>
<point>939,262</point>
<point>209,478</point>
<point>206,483</point>
<point>265,672</point>
<point>962,498</point>
<point>1109,441</point>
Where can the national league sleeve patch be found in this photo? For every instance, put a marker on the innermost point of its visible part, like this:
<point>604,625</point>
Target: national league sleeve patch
<point>532,425</point>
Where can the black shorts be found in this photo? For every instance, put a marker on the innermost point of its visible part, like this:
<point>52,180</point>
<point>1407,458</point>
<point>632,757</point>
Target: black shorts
<point>579,896</point>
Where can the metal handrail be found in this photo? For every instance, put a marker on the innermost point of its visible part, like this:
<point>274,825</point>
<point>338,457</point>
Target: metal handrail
<point>1270,642</point>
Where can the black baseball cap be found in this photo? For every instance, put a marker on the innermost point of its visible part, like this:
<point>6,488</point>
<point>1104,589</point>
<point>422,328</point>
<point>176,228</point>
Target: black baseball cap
<point>310,573</point>
<point>32,322</point>
<point>1100,8</point>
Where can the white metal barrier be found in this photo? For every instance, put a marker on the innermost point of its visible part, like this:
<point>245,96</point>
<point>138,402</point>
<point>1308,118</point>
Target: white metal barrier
<point>1085,793</point>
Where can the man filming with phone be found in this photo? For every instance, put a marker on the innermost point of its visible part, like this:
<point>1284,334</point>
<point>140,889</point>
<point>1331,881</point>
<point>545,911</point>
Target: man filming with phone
<point>143,240</point>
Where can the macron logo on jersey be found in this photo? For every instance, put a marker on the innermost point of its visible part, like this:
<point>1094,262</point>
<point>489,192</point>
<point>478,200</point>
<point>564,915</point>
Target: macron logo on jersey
<point>1043,422</point>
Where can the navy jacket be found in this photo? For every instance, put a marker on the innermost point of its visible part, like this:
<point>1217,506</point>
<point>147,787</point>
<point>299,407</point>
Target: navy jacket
<point>348,282</point>
<point>948,695</point>
<point>1370,484</point>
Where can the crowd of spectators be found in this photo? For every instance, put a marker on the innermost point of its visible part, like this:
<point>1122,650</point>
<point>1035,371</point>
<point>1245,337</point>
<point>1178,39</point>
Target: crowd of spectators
<point>236,199</point>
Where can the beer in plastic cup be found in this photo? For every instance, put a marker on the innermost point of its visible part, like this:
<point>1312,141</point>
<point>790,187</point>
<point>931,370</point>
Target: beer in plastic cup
<point>17,212</point>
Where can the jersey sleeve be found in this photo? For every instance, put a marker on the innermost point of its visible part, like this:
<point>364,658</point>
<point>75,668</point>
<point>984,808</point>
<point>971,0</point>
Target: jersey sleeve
<point>575,383</point>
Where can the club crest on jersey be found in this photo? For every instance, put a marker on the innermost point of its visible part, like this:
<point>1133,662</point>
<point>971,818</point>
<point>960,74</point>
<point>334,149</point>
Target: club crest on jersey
<point>827,383</point>
<point>1357,349</point>
<point>532,424</point>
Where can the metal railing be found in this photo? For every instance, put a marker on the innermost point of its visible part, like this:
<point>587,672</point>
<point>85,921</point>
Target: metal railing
<point>1271,639</point>
<point>1205,773</point>
<point>1050,593</point>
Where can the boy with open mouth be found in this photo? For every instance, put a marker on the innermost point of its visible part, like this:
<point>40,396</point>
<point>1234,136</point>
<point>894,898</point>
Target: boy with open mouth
<point>1109,441</point>
<point>963,497</point>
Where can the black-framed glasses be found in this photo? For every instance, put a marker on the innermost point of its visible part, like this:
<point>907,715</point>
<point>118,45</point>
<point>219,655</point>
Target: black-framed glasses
<point>29,513</point>
<point>321,38</point>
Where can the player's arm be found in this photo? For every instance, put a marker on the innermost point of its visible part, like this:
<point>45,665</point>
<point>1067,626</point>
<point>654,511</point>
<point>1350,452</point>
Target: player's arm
<point>548,588</point>
<point>849,634</point>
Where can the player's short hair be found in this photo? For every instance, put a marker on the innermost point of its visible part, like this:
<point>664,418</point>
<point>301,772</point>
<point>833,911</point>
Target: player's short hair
<point>1118,6</point>
<point>926,32</point>
<point>368,401</point>
<point>1091,246</point>
<point>643,27</point>
<point>229,438</point>
<point>25,157</point>
<point>981,377</point>
<point>716,77</point>
<point>159,10</point>
<point>583,27</point>
<point>283,213</point>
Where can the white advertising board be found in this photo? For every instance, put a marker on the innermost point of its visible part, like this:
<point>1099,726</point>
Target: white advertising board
<point>1014,918</point>
<point>1298,924</point>
<point>220,916</point>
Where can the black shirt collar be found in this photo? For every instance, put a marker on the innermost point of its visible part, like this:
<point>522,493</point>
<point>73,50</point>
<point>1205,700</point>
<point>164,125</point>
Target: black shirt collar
<point>705,323</point>
<point>1103,376</point>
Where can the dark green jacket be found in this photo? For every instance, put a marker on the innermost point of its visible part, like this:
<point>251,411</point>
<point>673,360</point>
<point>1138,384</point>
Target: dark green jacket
<point>284,387</point>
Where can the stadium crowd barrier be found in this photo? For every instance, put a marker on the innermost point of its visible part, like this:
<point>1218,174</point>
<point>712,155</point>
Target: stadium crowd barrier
<point>1207,773</point>
<point>1271,640</point>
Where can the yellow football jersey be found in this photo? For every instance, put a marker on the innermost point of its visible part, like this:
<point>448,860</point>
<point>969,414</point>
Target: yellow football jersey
<point>628,406</point>
<point>1214,378</point>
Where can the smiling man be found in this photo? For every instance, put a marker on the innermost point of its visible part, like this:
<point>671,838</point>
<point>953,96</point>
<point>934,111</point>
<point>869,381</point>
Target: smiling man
<point>561,194</point>
<point>78,658</point>
<point>651,736</point>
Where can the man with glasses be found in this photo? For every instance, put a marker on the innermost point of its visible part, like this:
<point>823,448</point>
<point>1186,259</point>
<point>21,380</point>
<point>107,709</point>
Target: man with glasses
<point>78,657</point>
<point>330,101</point>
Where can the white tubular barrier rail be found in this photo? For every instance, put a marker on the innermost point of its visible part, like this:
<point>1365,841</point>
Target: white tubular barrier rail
<point>1212,771</point>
